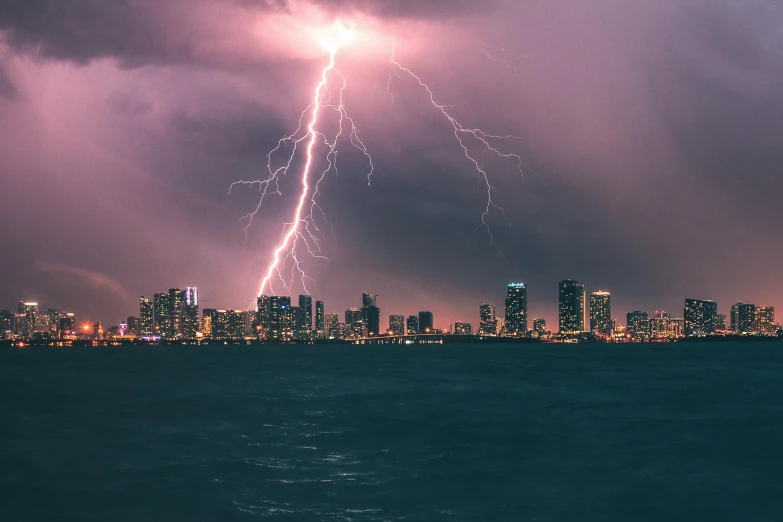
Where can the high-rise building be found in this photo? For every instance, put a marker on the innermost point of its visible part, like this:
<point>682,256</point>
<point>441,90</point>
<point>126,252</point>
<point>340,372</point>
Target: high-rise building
<point>397,324</point>
<point>369,299</point>
<point>6,324</point>
<point>488,324</point>
<point>175,312</point>
<point>463,328</point>
<point>97,330</point>
<point>734,318</point>
<point>27,319</point>
<point>190,324</point>
<point>638,326</point>
<point>516,310</point>
<point>52,321</point>
<point>353,315</point>
<point>319,319</point>
<point>571,306</point>
<point>412,325</point>
<point>331,322</point>
<point>426,323</point>
<point>746,314</point>
<point>765,320</point>
<point>280,324</point>
<point>660,326</point>
<point>133,325</point>
<point>67,323</point>
<point>371,315</point>
<point>305,325</point>
<point>262,318</point>
<point>676,327</point>
<point>700,317</point>
<point>720,322</point>
<point>145,316</point>
<point>601,312</point>
<point>539,326</point>
<point>220,325</point>
<point>162,314</point>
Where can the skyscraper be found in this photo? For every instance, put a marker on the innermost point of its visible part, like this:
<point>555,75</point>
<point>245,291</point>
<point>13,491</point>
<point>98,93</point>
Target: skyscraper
<point>27,319</point>
<point>190,324</point>
<point>67,323</point>
<point>700,317</point>
<point>425,322</point>
<point>331,322</point>
<point>262,318</point>
<point>746,318</point>
<point>319,319</point>
<point>488,324</point>
<point>397,324</point>
<point>175,312</point>
<point>145,316</point>
<point>305,315</point>
<point>278,322</point>
<point>412,325</point>
<point>638,325</point>
<point>539,326</point>
<point>463,328</point>
<point>765,320</point>
<point>660,326</point>
<point>571,306</point>
<point>372,318</point>
<point>516,310</point>
<point>353,316</point>
<point>162,314</point>
<point>734,317</point>
<point>369,299</point>
<point>601,312</point>
<point>6,324</point>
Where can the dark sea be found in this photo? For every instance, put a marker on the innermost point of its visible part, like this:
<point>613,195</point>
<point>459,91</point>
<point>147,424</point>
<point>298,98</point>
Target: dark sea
<point>677,432</point>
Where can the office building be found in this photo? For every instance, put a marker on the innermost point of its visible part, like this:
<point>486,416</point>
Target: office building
<point>67,323</point>
<point>746,318</point>
<point>765,320</point>
<point>516,310</point>
<point>305,325</point>
<point>6,324</point>
<point>320,326</point>
<point>412,325</point>
<point>660,326</point>
<point>397,324</point>
<point>27,319</point>
<point>175,312</point>
<point>426,324</point>
<point>700,317</point>
<point>145,316</point>
<point>371,315</point>
<point>223,325</point>
<point>369,299</point>
<point>161,314</point>
<point>488,324</point>
<point>262,318</point>
<point>190,323</point>
<point>637,326</point>
<point>571,309</point>
<point>734,318</point>
<point>280,325</point>
<point>353,315</point>
<point>539,326</point>
<point>330,324</point>
<point>463,329</point>
<point>601,313</point>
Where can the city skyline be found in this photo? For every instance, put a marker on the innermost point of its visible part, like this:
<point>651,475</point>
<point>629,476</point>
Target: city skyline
<point>628,187</point>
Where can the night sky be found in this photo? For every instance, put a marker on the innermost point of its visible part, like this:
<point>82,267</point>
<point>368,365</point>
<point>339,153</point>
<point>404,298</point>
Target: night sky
<point>651,132</point>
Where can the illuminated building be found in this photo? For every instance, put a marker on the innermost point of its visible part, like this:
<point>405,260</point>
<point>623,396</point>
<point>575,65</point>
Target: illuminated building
<point>305,320</point>
<point>463,329</point>
<point>280,325</point>
<point>516,310</point>
<point>221,325</point>
<point>746,318</point>
<point>353,316</point>
<point>720,322</point>
<point>341,331</point>
<point>319,319</point>
<point>161,314</point>
<point>765,320</point>
<point>359,329</point>
<point>571,309</point>
<point>208,329</point>
<point>97,330</point>
<point>371,315</point>
<point>601,312</point>
<point>67,323</point>
<point>145,316</point>
<point>262,318</point>
<point>734,318</point>
<point>539,326</point>
<point>425,322</point>
<point>190,324</point>
<point>175,312</point>
<point>27,319</point>
<point>660,326</point>
<point>700,317</point>
<point>133,325</point>
<point>52,321</point>
<point>412,324</point>
<point>676,327</point>
<point>638,326</point>
<point>397,324</point>
<point>488,324</point>
<point>6,324</point>
<point>330,324</point>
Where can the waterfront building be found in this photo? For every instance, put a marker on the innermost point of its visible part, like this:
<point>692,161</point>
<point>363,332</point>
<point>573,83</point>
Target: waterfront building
<point>463,328</point>
<point>278,311</point>
<point>700,317</point>
<point>601,312</point>
<point>571,309</point>
<point>161,314</point>
<point>539,326</point>
<point>319,320</point>
<point>145,316</point>
<point>746,318</point>
<point>765,320</point>
<point>412,324</point>
<point>27,319</point>
<point>67,323</point>
<point>660,326</point>
<point>305,326</point>
<point>175,312</point>
<point>262,318</point>
<point>190,323</point>
<point>369,299</point>
<point>488,324</point>
<point>426,323</point>
<point>353,315</point>
<point>516,310</point>
<point>6,324</point>
<point>397,324</point>
<point>638,326</point>
<point>330,324</point>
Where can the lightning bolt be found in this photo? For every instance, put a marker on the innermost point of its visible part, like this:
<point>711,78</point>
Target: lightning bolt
<point>484,138</point>
<point>302,230</point>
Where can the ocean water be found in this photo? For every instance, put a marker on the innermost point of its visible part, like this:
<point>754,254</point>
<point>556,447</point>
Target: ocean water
<point>455,433</point>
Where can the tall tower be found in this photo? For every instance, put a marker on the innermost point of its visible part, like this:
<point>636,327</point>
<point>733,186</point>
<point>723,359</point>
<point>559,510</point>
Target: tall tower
<point>319,319</point>
<point>488,324</point>
<point>700,317</point>
<point>425,322</point>
<point>571,306</point>
<point>190,313</point>
<point>516,310</point>
<point>279,317</point>
<point>305,319</point>
<point>262,317</point>
<point>175,312</point>
<point>601,312</point>
<point>145,316</point>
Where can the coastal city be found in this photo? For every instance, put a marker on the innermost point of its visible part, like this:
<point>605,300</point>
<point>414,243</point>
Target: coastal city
<point>174,316</point>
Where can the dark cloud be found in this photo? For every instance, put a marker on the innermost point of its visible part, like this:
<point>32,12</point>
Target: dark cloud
<point>7,88</point>
<point>412,9</point>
